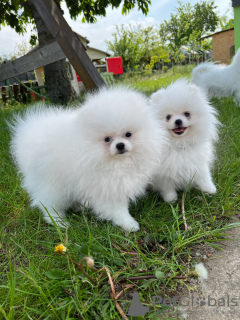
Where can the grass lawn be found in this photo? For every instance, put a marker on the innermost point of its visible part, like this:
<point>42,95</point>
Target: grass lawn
<point>151,83</point>
<point>36,283</point>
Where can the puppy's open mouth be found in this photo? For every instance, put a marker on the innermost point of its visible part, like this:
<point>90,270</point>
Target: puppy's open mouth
<point>122,151</point>
<point>180,130</point>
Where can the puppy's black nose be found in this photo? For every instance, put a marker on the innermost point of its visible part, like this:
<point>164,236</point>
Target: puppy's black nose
<point>120,146</point>
<point>178,122</point>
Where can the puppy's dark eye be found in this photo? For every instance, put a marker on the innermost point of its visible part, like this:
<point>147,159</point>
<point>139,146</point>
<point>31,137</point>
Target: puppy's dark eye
<point>187,114</point>
<point>128,134</point>
<point>107,139</point>
<point>168,117</point>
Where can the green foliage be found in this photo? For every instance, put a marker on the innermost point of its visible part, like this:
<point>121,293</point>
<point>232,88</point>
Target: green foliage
<point>206,44</point>
<point>155,59</point>
<point>55,274</point>
<point>136,45</point>
<point>189,23</point>
<point>91,9</point>
<point>33,40</point>
<point>227,24</point>
<point>205,17</point>
<point>175,31</point>
<point>17,14</point>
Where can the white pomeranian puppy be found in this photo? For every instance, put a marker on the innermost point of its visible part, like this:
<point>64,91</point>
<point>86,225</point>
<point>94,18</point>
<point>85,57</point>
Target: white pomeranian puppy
<point>191,125</point>
<point>219,80</point>
<point>100,155</point>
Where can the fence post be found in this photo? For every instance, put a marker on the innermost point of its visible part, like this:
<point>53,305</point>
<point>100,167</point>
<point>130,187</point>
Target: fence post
<point>4,94</point>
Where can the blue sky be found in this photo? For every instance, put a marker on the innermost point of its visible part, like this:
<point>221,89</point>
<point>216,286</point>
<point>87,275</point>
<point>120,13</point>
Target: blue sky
<point>101,31</point>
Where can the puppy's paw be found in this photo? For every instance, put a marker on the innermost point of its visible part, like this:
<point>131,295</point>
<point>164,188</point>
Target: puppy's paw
<point>210,189</point>
<point>61,223</point>
<point>170,196</point>
<point>130,225</point>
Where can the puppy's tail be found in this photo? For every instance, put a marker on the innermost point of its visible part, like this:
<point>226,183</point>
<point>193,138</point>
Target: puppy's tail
<point>203,68</point>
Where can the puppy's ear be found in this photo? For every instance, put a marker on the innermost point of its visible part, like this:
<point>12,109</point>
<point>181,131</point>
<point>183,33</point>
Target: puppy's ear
<point>156,96</point>
<point>193,88</point>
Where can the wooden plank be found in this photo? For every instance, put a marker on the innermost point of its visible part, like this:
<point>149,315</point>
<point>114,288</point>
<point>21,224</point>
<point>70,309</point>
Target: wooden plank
<point>71,45</point>
<point>39,75</point>
<point>33,60</point>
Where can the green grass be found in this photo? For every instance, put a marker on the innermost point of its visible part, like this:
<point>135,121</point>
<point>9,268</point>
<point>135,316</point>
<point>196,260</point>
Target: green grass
<point>151,83</point>
<point>35,283</point>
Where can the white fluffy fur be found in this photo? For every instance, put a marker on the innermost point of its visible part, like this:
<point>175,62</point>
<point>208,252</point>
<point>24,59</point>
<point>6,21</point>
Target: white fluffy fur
<point>219,80</point>
<point>64,159</point>
<point>201,271</point>
<point>187,159</point>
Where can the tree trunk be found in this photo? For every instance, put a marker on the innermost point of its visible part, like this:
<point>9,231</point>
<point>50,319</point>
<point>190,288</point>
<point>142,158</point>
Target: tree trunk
<point>60,90</point>
<point>59,86</point>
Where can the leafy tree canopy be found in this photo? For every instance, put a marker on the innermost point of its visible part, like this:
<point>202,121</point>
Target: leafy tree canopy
<point>189,19</point>
<point>17,14</point>
<point>14,14</point>
<point>227,24</point>
<point>136,45</point>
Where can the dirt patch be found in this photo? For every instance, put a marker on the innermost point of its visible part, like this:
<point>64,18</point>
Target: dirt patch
<point>219,297</point>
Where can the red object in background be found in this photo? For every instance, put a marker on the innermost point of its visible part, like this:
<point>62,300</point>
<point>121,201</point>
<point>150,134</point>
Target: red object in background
<point>78,78</point>
<point>33,96</point>
<point>114,65</point>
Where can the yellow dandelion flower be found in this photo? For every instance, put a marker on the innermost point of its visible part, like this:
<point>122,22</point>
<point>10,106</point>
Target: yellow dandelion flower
<point>60,249</point>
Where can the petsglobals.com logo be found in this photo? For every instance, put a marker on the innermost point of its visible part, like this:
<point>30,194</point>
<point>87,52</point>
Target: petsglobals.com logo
<point>185,301</point>
<point>138,309</point>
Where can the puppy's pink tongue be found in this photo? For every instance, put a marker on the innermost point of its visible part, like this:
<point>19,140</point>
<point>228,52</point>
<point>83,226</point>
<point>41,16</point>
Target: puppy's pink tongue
<point>179,129</point>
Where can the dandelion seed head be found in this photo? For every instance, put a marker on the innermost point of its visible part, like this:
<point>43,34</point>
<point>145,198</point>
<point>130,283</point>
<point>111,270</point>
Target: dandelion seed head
<point>90,262</point>
<point>201,271</point>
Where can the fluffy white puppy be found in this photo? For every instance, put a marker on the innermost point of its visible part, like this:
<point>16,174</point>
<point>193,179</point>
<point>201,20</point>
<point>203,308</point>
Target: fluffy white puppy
<point>191,125</point>
<point>100,155</point>
<point>219,80</point>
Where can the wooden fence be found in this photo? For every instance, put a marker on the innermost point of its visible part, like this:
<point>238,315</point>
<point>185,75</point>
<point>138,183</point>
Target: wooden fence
<point>19,92</point>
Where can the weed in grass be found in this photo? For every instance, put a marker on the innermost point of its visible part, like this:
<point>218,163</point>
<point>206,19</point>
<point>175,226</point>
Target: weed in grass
<point>30,289</point>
